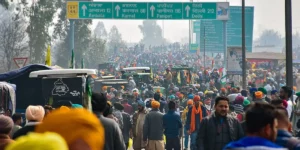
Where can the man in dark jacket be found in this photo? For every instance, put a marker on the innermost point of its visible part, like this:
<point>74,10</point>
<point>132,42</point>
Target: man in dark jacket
<point>172,125</point>
<point>153,128</point>
<point>127,128</point>
<point>218,129</point>
<point>113,135</point>
<point>284,136</point>
<point>193,120</point>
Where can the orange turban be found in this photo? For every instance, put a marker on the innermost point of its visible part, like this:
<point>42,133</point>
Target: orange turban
<point>104,88</point>
<point>259,95</point>
<point>180,96</point>
<point>75,124</point>
<point>190,102</point>
<point>155,104</point>
<point>223,89</point>
<point>196,98</point>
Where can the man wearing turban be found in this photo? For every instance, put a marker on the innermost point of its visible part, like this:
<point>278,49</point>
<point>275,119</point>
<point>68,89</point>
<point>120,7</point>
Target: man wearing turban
<point>137,127</point>
<point>153,128</point>
<point>194,118</point>
<point>34,116</point>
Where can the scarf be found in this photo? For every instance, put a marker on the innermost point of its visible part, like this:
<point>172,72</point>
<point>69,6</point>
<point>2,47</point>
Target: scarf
<point>193,118</point>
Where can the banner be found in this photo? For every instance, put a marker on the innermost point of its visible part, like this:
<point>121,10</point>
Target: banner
<point>234,61</point>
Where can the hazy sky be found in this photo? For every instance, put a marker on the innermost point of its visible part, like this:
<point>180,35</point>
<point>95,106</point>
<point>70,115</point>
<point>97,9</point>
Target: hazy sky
<point>268,14</point>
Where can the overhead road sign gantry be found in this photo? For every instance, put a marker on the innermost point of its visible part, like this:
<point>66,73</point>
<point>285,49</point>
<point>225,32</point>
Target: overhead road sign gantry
<point>147,10</point>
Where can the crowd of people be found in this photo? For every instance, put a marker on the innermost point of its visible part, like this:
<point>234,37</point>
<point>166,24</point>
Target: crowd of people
<point>207,115</point>
<point>211,120</point>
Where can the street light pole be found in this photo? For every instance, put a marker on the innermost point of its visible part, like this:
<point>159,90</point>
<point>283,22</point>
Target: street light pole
<point>288,43</point>
<point>243,45</point>
<point>204,42</point>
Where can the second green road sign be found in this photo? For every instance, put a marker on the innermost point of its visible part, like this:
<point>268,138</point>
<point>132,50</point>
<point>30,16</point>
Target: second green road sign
<point>147,10</point>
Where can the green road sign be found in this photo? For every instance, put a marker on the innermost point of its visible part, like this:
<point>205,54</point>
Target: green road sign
<point>165,11</point>
<point>196,26</point>
<point>214,31</point>
<point>95,10</point>
<point>129,10</point>
<point>199,10</point>
<point>193,48</point>
<point>147,10</point>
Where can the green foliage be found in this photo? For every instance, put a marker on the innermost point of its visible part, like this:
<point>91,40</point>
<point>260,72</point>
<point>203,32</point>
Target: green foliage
<point>96,53</point>
<point>61,32</point>
<point>4,3</point>
<point>40,17</point>
<point>270,38</point>
<point>100,31</point>
<point>115,41</point>
<point>152,33</point>
<point>13,38</point>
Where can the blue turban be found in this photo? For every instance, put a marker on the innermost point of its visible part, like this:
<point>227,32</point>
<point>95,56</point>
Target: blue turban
<point>77,106</point>
<point>140,102</point>
<point>171,97</point>
<point>252,90</point>
<point>190,96</point>
<point>244,93</point>
<point>273,92</point>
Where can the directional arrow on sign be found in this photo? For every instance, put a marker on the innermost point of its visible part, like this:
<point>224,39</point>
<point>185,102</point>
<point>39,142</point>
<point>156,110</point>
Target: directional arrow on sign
<point>83,9</point>
<point>152,8</point>
<point>117,10</point>
<point>187,9</point>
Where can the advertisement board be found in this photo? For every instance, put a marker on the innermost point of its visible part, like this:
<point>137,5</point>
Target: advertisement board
<point>234,61</point>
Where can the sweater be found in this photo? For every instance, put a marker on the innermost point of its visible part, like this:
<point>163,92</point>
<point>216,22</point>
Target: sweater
<point>172,124</point>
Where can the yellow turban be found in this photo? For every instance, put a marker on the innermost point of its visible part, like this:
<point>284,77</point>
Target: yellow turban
<point>75,124</point>
<point>155,104</point>
<point>38,141</point>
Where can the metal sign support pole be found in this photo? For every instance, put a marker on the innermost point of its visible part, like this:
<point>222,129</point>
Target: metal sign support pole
<point>288,43</point>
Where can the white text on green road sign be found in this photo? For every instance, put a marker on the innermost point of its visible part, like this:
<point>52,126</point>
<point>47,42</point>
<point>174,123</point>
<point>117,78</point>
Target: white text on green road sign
<point>146,10</point>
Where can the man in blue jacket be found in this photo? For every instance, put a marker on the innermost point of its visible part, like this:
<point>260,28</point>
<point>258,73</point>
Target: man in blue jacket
<point>261,127</point>
<point>172,125</point>
<point>284,136</point>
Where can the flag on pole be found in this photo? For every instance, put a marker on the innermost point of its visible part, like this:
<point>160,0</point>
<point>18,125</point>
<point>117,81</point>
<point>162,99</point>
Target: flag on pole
<point>82,63</point>
<point>223,78</point>
<point>48,57</point>
<point>72,62</point>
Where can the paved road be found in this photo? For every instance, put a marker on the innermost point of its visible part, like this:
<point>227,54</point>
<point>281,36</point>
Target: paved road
<point>180,143</point>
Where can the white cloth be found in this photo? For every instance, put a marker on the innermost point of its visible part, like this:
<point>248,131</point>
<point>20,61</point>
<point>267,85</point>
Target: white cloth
<point>268,87</point>
<point>289,108</point>
<point>232,97</point>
